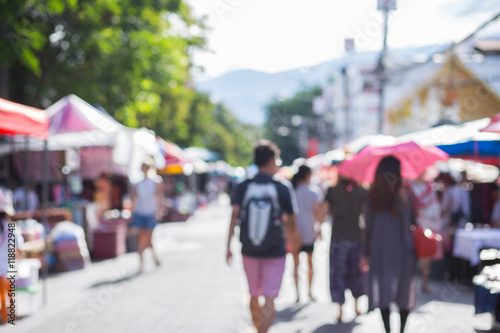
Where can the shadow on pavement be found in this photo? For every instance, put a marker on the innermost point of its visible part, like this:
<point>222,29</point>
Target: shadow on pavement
<point>289,314</point>
<point>337,328</point>
<point>446,291</point>
<point>116,281</point>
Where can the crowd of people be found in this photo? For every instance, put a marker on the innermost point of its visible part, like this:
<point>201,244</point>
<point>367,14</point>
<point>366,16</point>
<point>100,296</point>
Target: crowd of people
<point>372,250</point>
<point>372,243</point>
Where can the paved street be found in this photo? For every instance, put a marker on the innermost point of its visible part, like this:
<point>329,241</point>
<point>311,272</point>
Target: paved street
<point>195,291</point>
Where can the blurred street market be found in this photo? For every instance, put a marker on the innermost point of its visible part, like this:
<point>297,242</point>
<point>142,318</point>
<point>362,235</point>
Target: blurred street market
<point>249,166</point>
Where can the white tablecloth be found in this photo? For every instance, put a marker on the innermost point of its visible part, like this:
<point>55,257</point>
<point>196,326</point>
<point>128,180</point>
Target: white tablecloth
<point>468,243</point>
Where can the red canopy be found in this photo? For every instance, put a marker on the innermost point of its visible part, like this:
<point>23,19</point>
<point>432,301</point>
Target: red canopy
<point>494,125</point>
<point>21,119</point>
<point>173,153</point>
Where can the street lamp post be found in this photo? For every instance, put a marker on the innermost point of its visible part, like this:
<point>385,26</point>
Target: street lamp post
<point>385,6</point>
<point>349,49</point>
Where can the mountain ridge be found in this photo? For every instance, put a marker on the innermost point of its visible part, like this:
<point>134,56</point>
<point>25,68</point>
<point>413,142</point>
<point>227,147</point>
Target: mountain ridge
<point>245,92</point>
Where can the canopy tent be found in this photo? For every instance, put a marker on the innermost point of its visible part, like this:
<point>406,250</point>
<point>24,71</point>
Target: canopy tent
<point>175,158</point>
<point>202,154</point>
<point>461,141</point>
<point>332,157</point>
<point>358,144</point>
<point>73,123</point>
<point>494,125</point>
<point>452,134</point>
<point>72,114</point>
<point>21,119</point>
<point>486,152</point>
<point>76,125</point>
<point>24,120</point>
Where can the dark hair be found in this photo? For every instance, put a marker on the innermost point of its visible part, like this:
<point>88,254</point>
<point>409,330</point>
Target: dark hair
<point>386,186</point>
<point>301,174</point>
<point>264,151</point>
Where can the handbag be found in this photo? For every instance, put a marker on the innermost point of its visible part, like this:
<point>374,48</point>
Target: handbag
<point>426,242</point>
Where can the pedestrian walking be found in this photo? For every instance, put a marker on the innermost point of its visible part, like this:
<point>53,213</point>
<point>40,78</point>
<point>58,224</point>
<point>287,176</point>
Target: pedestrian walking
<point>456,202</point>
<point>266,210</point>
<point>345,202</point>
<point>309,198</point>
<point>389,253</point>
<point>428,216</point>
<point>147,199</point>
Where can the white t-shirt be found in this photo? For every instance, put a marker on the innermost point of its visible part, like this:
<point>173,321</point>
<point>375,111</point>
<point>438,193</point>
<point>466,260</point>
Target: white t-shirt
<point>4,246</point>
<point>307,196</point>
<point>429,209</point>
<point>146,197</point>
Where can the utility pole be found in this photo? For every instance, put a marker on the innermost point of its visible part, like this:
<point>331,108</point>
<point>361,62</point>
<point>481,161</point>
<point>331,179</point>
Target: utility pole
<point>349,49</point>
<point>345,81</point>
<point>385,6</point>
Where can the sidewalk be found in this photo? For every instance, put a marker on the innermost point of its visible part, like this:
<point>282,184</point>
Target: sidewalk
<point>195,291</point>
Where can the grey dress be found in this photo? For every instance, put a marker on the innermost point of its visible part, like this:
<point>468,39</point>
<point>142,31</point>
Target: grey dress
<point>389,246</point>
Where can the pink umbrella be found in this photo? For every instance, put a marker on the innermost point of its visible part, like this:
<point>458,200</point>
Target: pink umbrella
<point>494,125</point>
<point>415,159</point>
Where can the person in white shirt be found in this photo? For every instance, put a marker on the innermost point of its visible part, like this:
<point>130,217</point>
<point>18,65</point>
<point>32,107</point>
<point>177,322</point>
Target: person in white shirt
<point>147,199</point>
<point>309,199</point>
<point>455,204</point>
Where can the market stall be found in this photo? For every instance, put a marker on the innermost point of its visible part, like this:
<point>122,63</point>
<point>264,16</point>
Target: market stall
<point>180,179</point>
<point>93,160</point>
<point>17,119</point>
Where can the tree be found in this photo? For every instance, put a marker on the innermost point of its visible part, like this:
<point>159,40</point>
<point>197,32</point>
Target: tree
<point>24,27</point>
<point>290,123</point>
<point>131,57</point>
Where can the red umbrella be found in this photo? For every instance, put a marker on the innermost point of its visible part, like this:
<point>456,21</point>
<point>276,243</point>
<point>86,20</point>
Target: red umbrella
<point>415,159</point>
<point>21,119</point>
<point>494,125</point>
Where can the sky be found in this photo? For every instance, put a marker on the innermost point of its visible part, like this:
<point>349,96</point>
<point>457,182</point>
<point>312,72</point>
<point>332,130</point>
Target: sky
<point>277,35</point>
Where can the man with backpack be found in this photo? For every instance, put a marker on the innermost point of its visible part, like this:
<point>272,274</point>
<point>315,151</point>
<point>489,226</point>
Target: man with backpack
<point>266,210</point>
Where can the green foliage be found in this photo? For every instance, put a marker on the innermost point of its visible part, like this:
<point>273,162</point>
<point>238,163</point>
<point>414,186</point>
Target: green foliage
<point>24,25</point>
<point>132,57</point>
<point>291,135</point>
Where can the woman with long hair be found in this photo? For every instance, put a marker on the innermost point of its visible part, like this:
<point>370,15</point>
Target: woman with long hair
<point>344,202</point>
<point>389,253</point>
<point>309,199</point>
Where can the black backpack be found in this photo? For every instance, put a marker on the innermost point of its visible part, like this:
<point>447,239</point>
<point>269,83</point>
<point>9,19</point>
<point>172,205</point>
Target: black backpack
<point>260,224</point>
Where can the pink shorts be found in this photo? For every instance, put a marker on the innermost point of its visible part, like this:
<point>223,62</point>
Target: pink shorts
<point>264,275</point>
